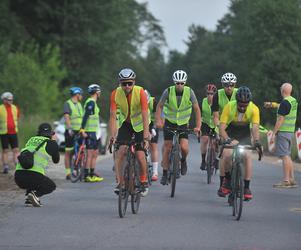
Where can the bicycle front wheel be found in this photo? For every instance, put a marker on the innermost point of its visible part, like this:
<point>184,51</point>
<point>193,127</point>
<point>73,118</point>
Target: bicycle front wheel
<point>238,192</point>
<point>76,167</point>
<point>175,166</point>
<point>124,192</point>
<point>210,164</point>
<point>136,195</point>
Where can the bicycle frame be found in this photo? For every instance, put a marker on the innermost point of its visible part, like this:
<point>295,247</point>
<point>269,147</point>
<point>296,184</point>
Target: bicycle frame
<point>78,160</point>
<point>210,155</point>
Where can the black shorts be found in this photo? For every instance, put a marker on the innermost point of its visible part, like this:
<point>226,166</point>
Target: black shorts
<point>69,140</point>
<point>155,138</point>
<point>9,140</point>
<point>91,141</point>
<point>126,133</point>
<point>205,129</point>
<point>239,133</point>
<point>169,135</point>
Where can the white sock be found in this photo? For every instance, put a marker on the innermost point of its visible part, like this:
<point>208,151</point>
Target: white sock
<point>155,168</point>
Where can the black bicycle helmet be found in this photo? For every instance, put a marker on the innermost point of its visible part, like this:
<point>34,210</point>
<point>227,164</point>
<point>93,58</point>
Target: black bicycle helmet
<point>243,94</point>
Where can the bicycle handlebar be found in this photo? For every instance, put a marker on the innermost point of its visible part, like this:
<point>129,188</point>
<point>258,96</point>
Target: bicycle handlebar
<point>242,147</point>
<point>180,131</point>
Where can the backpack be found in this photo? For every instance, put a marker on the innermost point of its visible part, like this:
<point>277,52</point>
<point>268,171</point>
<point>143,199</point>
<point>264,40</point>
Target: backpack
<point>26,157</point>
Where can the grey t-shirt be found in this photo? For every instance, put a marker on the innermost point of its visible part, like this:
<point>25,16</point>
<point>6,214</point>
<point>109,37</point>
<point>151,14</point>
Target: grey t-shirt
<point>165,95</point>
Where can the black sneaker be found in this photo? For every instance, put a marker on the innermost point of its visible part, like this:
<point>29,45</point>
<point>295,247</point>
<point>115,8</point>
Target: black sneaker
<point>68,177</point>
<point>216,164</point>
<point>28,203</point>
<point>116,189</point>
<point>163,180</point>
<point>5,169</point>
<point>203,166</point>
<point>183,167</point>
<point>35,201</point>
<point>178,175</point>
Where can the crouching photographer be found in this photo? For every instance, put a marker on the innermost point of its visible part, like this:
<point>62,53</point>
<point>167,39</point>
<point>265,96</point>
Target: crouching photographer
<point>33,160</point>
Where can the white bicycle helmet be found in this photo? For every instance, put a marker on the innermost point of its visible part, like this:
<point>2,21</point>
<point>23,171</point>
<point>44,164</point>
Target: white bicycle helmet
<point>126,74</point>
<point>93,88</point>
<point>228,78</point>
<point>179,76</point>
<point>7,95</point>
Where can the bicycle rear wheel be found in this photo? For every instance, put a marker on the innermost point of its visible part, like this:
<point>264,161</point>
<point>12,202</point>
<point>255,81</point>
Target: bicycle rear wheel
<point>136,195</point>
<point>175,166</point>
<point>124,192</point>
<point>238,193</point>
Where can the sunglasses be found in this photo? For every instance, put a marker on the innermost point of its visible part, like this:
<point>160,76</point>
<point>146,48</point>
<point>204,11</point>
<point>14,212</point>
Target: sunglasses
<point>124,84</point>
<point>228,85</point>
<point>242,104</point>
<point>179,83</point>
<point>9,100</point>
<point>210,93</point>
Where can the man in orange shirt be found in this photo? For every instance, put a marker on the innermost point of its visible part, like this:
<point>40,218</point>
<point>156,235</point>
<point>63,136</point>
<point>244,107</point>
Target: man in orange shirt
<point>130,102</point>
<point>9,116</point>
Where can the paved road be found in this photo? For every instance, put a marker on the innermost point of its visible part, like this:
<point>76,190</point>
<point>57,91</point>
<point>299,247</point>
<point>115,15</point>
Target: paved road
<point>85,216</point>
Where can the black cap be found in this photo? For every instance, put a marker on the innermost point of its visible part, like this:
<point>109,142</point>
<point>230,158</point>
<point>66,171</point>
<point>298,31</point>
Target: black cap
<point>45,130</point>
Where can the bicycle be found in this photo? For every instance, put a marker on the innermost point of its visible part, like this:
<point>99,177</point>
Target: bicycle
<point>78,159</point>
<point>210,159</point>
<point>149,167</point>
<point>175,156</point>
<point>131,181</point>
<point>236,197</point>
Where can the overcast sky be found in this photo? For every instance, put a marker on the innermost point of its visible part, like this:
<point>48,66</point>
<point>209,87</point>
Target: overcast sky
<point>177,15</point>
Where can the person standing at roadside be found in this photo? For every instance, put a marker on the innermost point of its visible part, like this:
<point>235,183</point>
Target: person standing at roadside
<point>73,114</point>
<point>283,133</point>
<point>9,116</point>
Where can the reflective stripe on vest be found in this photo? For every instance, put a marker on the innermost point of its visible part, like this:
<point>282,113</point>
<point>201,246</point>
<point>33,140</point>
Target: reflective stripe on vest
<point>76,115</point>
<point>151,109</point>
<point>289,122</point>
<point>93,120</point>
<point>207,114</point>
<point>233,110</point>
<point>3,118</point>
<point>223,99</point>
<point>136,112</point>
<point>178,115</point>
<point>41,157</point>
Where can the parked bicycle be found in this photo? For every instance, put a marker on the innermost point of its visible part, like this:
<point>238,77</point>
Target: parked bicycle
<point>78,159</point>
<point>130,181</point>
<point>236,197</point>
<point>175,157</point>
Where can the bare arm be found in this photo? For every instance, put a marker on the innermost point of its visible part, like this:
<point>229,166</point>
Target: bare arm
<point>216,118</point>
<point>255,132</point>
<point>159,122</point>
<point>222,131</point>
<point>278,124</point>
<point>197,111</point>
<point>112,124</point>
<point>145,120</point>
<point>67,121</point>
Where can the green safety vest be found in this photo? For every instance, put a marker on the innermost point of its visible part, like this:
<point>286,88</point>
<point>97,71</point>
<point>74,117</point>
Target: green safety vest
<point>207,114</point>
<point>178,115</point>
<point>151,109</point>
<point>41,157</point>
<point>76,115</point>
<point>92,124</point>
<point>290,120</point>
<point>223,98</point>
<point>233,110</point>
<point>135,109</point>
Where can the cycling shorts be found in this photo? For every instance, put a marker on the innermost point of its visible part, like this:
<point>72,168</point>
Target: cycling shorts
<point>9,140</point>
<point>126,133</point>
<point>91,141</point>
<point>169,135</point>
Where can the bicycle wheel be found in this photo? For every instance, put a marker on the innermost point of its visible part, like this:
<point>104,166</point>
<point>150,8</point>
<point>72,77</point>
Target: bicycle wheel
<point>210,164</point>
<point>76,164</point>
<point>175,162</point>
<point>238,192</point>
<point>136,195</point>
<point>149,174</point>
<point>124,192</point>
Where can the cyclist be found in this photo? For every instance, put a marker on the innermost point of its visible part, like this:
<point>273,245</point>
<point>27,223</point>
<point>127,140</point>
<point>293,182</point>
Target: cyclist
<point>73,114</point>
<point>133,120</point>
<point>220,99</point>
<point>89,128</point>
<point>235,122</point>
<point>207,121</point>
<point>178,101</point>
<point>152,105</point>
<point>9,117</point>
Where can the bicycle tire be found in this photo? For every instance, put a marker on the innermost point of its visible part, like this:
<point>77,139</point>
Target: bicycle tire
<point>175,161</point>
<point>124,192</point>
<point>238,193</point>
<point>76,168</point>
<point>149,174</point>
<point>209,165</point>
<point>136,195</point>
